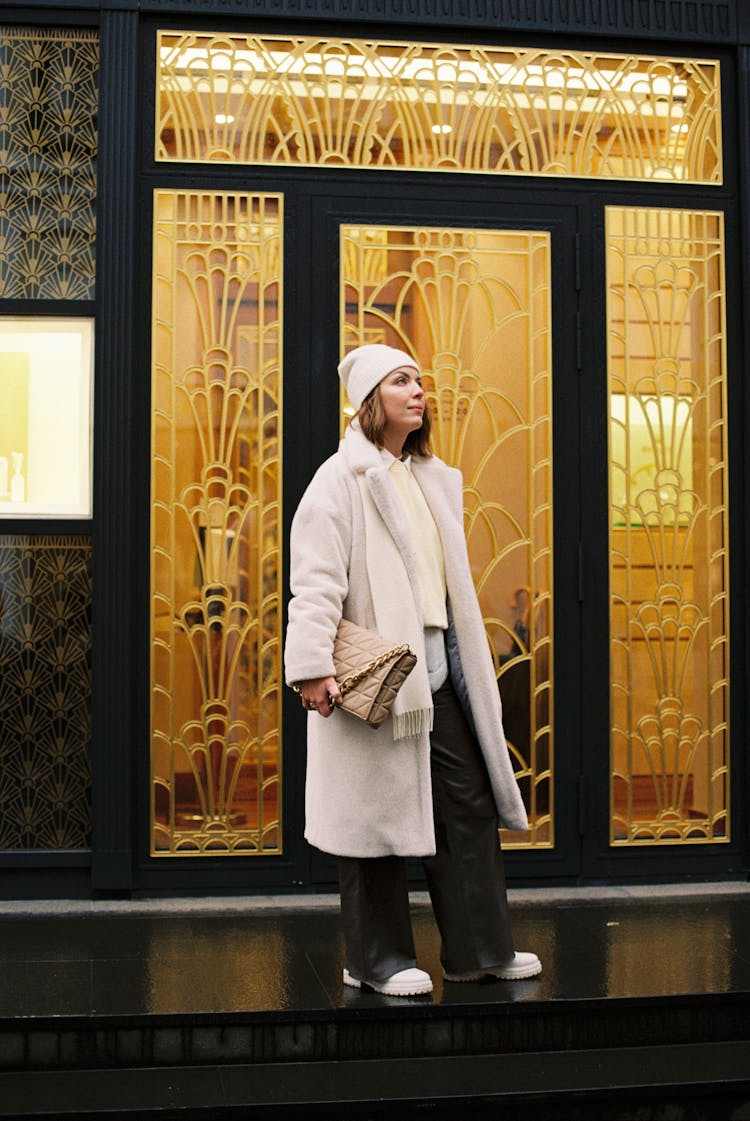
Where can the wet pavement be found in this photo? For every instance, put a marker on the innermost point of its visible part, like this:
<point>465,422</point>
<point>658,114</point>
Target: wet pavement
<point>246,957</point>
<point>219,1008</point>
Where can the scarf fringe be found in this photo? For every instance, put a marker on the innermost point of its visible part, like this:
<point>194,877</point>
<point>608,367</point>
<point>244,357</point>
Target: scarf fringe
<point>406,725</point>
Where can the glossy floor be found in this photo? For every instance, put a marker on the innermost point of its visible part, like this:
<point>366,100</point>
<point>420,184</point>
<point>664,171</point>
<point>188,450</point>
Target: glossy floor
<point>246,957</point>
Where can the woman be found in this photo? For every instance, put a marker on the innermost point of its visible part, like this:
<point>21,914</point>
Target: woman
<point>378,539</point>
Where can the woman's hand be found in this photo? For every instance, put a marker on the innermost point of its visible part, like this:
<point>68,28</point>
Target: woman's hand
<point>320,694</point>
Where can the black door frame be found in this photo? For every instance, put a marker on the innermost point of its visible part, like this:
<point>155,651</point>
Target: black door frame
<point>315,205</point>
<point>440,204</point>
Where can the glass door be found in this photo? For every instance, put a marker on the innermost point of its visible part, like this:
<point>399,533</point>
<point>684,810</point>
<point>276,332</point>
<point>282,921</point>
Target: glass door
<point>475,303</point>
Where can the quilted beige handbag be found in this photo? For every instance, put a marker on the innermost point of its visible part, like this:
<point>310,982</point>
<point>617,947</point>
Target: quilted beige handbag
<point>369,671</point>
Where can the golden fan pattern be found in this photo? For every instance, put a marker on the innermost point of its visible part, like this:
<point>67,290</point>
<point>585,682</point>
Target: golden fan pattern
<point>215,533</point>
<point>305,101</point>
<point>669,610</point>
<point>48,146</point>
<point>473,307</point>
<point>45,708</point>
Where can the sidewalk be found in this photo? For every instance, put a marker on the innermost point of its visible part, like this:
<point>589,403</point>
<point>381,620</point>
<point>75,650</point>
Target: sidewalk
<point>264,953</point>
<point>213,1008</point>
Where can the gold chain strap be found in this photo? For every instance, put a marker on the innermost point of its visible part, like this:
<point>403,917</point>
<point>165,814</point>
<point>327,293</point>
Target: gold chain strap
<point>377,663</point>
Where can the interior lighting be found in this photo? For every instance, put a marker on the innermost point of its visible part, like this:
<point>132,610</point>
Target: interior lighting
<point>489,72</point>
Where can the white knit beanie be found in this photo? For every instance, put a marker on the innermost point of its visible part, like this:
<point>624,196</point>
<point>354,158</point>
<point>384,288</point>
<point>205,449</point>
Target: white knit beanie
<point>364,368</point>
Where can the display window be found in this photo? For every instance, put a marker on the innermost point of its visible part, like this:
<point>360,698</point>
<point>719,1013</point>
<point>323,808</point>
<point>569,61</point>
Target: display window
<point>46,385</point>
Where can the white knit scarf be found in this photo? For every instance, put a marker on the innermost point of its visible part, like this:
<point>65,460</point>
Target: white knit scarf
<point>398,614</point>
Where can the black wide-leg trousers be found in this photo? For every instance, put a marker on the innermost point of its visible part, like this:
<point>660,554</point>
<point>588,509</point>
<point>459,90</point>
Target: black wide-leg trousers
<point>465,877</point>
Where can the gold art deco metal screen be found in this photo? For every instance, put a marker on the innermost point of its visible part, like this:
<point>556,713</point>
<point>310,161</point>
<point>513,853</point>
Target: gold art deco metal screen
<point>473,307</point>
<point>215,524</point>
<point>305,101</point>
<point>669,614</point>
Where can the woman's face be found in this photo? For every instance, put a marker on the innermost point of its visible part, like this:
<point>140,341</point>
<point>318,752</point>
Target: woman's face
<point>402,398</point>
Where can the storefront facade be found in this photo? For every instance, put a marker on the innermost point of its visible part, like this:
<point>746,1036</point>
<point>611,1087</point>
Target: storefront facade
<point>201,206</point>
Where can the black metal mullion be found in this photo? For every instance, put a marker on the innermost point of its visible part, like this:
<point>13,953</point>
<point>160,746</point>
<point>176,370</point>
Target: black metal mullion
<point>113,605</point>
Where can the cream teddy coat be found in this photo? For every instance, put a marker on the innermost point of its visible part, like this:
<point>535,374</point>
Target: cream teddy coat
<point>367,795</point>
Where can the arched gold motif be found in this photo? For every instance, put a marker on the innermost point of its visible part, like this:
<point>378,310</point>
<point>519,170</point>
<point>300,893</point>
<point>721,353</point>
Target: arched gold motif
<point>668,572</point>
<point>558,122</point>
<point>473,306</point>
<point>422,106</point>
<point>216,494</point>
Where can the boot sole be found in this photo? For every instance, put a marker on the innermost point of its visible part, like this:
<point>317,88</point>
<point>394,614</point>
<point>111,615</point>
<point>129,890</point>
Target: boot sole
<point>516,975</point>
<point>520,975</point>
<point>385,988</point>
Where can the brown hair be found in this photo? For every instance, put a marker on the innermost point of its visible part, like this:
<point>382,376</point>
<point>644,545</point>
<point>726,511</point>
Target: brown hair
<point>371,417</point>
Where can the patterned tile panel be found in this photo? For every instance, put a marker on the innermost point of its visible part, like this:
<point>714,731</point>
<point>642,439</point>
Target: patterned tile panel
<point>48,144</point>
<point>45,700</point>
